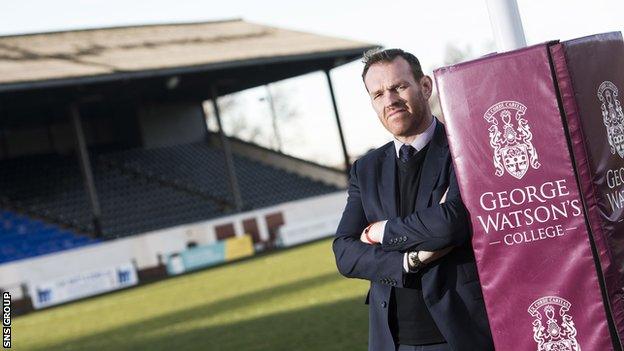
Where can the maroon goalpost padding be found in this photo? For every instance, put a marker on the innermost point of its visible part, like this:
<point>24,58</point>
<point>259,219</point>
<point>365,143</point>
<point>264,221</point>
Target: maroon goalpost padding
<point>537,138</point>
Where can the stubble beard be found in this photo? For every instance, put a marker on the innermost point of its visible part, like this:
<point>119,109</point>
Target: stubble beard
<point>417,124</point>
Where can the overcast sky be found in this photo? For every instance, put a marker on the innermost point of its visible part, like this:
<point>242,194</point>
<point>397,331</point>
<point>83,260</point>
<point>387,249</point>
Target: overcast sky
<point>424,28</point>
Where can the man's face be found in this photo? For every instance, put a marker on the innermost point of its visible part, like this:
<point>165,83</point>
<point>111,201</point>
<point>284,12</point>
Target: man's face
<point>398,99</point>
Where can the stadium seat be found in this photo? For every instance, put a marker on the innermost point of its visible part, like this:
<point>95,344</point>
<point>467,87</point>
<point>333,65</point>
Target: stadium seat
<point>23,237</point>
<point>139,190</point>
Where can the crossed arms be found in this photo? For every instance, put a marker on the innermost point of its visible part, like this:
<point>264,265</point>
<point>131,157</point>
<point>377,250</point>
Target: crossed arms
<point>431,229</point>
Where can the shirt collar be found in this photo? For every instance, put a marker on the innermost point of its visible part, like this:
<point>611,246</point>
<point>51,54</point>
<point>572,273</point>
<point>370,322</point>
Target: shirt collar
<point>421,140</point>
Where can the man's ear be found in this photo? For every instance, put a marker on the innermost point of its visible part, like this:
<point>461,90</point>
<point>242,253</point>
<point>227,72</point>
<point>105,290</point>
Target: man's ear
<point>426,84</point>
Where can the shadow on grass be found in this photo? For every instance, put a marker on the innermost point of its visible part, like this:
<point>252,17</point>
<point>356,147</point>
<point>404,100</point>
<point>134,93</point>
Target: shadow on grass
<point>340,325</point>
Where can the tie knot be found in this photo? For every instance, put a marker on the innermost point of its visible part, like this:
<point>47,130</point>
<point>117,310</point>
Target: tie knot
<point>406,152</point>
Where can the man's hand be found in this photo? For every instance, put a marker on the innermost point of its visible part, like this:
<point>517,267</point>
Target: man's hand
<point>412,265</point>
<point>430,256</point>
<point>373,233</point>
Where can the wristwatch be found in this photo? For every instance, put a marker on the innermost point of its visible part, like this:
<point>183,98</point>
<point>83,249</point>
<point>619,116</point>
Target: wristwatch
<point>414,263</point>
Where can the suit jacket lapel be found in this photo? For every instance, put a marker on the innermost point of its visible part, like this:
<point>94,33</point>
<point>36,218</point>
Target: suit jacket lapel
<point>432,166</point>
<point>387,190</point>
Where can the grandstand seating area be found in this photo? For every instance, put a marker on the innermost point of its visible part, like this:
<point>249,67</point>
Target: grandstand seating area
<point>139,190</point>
<point>201,169</point>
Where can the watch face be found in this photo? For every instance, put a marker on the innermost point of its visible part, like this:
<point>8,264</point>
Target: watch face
<point>413,257</point>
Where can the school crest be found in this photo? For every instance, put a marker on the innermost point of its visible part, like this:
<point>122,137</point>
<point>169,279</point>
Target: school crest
<point>513,151</point>
<point>553,327</point>
<point>612,116</point>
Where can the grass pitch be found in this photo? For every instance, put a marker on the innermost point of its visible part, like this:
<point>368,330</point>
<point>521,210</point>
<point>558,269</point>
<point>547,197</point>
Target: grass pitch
<point>290,300</point>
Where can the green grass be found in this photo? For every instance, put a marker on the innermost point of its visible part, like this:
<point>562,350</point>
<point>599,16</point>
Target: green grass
<point>290,300</point>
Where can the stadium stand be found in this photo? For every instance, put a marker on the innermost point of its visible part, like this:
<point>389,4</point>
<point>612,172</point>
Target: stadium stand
<point>139,190</point>
<point>198,167</point>
<point>117,119</point>
<point>46,186</point>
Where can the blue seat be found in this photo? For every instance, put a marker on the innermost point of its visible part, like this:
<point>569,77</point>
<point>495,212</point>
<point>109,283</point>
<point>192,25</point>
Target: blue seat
<point>22,237</point>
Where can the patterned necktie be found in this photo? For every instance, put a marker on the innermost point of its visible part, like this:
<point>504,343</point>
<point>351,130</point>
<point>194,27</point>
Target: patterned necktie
<point>406,153</point>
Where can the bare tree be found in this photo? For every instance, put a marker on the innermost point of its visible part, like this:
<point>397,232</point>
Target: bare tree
<point>283,111</point>
<point>235,123</point>
<point>453,55</point>
<point>244,123</point>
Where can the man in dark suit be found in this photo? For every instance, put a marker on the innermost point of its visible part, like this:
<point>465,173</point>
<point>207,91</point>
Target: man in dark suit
<point>405,228</point>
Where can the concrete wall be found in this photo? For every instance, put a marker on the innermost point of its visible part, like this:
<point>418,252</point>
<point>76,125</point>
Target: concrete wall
<point>54,132</point>
<point>27,141</point>
<point>301,167</point>
<point>167,124</point>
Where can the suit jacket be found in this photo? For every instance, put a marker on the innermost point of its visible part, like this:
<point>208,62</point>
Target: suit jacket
<point>450,285</point>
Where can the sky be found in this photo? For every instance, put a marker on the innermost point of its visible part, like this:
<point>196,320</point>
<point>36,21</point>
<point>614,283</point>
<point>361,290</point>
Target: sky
<point>425,28</point>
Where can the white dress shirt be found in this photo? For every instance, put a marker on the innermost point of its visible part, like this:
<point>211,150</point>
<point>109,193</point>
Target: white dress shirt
<point>421,140</point>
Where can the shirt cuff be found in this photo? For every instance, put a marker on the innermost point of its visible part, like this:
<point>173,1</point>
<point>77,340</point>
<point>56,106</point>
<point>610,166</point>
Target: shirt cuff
<point>383,230</point>
<point>405,264</point>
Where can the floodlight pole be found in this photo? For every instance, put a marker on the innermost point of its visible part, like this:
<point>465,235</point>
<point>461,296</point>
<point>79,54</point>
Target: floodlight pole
<point>337,115</point>
<point>85,166</point>
<point>506,24</point>
<point>227,151</point>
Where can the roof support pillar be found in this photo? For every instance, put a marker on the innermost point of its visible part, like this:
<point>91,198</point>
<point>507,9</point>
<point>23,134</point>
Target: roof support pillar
<point>337,115</point>
<point>227,151</point>
<point>3,134</point>
<point>85,166</point>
